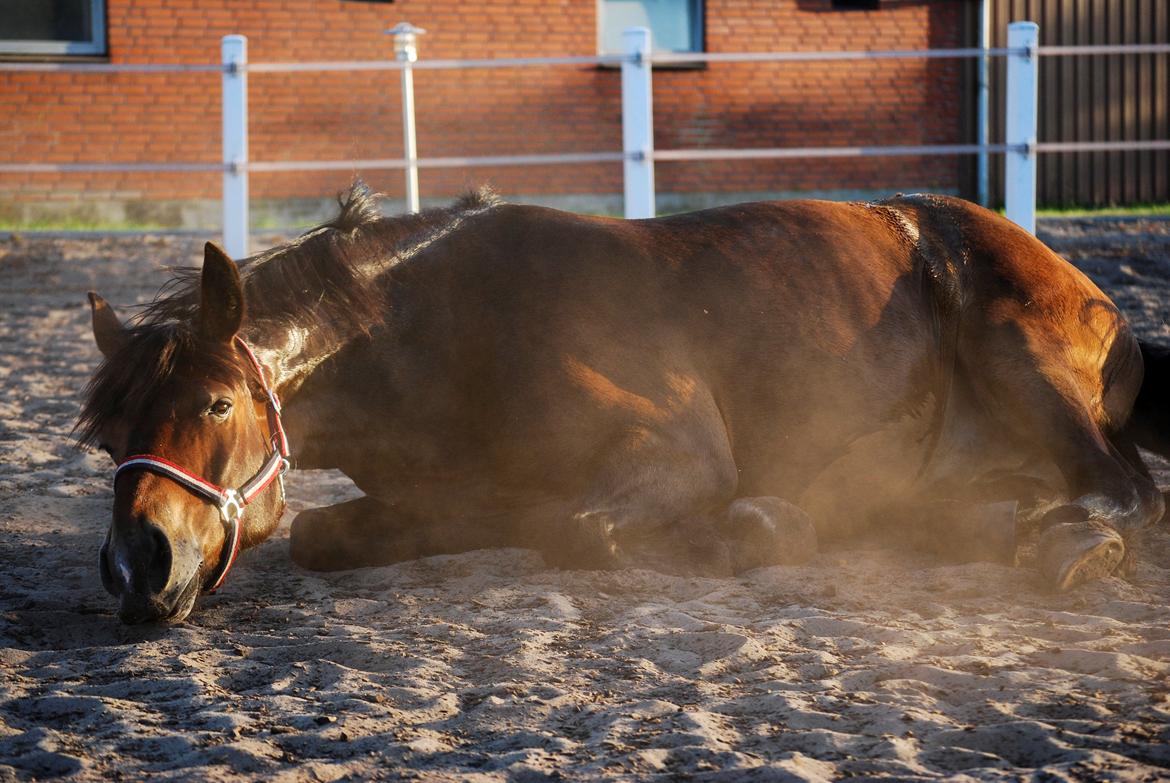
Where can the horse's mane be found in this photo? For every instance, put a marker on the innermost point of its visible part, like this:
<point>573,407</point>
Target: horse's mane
<point>322,278</point>
<point>324,281</point>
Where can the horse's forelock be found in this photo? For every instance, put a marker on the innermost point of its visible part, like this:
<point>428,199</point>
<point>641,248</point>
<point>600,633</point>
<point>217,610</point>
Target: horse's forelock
<point>316,281</point>
<point>130,381</point>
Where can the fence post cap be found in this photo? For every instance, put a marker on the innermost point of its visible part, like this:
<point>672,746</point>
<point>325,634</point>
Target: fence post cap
<point>234,53</point>
<point>406,40</point>
<point>636,44</point>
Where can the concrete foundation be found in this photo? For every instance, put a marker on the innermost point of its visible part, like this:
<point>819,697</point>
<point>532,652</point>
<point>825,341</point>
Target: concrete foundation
<point>290,214</point>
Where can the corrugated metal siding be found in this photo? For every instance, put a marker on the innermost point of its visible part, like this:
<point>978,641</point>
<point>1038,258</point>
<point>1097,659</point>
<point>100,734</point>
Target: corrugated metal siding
<point>1093,98</point>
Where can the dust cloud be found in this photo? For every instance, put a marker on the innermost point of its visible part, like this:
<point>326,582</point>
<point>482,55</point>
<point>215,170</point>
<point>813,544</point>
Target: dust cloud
<point>491,666</point>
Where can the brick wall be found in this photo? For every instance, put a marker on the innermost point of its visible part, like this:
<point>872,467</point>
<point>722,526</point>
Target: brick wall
<point>144,117</point>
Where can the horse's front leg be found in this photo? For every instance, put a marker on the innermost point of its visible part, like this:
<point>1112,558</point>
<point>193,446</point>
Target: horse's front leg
<point>355,533</point>
<point>369,532</point>
<point>665,497</point>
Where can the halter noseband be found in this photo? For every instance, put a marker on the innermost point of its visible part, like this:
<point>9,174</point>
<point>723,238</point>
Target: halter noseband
<point>230,502</point>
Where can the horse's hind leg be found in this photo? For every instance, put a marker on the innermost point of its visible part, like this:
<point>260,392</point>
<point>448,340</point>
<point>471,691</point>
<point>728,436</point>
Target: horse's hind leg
<point>1108,498</point>
<point>1091,536</point>
<point>1109,502</point>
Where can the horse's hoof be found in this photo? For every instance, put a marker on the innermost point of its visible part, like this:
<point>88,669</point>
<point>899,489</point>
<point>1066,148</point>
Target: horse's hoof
<point>768,531</point>
<point>1073,553</point>
<point>591,543</point>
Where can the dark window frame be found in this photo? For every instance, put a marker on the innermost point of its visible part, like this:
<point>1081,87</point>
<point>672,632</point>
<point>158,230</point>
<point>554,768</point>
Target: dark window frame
<point>856,5</point>
<point>698,11</point>
<point>96,46</point>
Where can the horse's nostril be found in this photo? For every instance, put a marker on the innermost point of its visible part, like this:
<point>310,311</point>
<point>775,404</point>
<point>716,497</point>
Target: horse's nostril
<point>137,561</point>
<point>159,573</point>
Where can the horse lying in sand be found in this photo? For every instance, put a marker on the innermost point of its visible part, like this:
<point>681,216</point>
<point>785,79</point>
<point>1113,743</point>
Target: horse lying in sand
<point>607,391</point>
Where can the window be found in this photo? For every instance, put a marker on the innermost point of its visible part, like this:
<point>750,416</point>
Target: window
<point>52,27</point>
<point>675,25</point>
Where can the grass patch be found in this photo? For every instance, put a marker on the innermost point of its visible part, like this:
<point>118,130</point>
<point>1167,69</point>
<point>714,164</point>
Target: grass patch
<point>1135,210</point>
<point>279,224</point>
<point>78,224</point>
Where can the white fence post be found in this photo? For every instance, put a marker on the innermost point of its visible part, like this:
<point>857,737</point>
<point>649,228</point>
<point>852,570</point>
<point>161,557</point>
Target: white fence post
<point>983,107</point>
<point>406,50</point>
<point>1019,168</point>
<point>235,145</point>
<point>638,123</point>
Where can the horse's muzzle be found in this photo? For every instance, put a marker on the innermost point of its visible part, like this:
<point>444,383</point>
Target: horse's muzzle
<point>141,577</point>
<point>137,609</point>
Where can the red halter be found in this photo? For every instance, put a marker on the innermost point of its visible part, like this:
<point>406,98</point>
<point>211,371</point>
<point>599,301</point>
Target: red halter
<point>230,502</point>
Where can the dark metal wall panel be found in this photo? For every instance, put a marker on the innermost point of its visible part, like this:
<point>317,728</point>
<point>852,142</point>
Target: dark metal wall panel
<point>1093,98</point>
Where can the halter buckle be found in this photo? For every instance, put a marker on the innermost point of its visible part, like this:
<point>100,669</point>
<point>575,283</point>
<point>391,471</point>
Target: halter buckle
<point>231,506</point>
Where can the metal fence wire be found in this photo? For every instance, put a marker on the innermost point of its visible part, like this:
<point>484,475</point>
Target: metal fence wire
<point>638,154</point>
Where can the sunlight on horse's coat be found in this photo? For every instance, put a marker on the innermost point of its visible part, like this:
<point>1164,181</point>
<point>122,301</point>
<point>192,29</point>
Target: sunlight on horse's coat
<point>606,392</point>
<point>630,392</point>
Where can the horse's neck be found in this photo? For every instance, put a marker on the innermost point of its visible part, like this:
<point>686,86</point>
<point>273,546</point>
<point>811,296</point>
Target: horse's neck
<point>291,353</point>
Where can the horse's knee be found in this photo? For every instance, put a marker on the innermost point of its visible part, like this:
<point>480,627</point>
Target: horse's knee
<point>767,531</point>
<point>1149,506</point>
<point>1155,505</point>
<point>587,542</point>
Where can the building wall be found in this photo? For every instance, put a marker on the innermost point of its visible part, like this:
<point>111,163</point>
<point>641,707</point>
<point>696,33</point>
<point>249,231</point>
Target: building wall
<point>1097,98</point>
<point>60,118</point>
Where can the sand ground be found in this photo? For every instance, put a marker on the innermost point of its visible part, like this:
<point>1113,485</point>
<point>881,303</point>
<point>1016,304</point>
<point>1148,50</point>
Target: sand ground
<point>490,666</point>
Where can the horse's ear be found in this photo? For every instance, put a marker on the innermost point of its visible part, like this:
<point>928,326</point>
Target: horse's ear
<point>108,332</point>
<point>221,304</point>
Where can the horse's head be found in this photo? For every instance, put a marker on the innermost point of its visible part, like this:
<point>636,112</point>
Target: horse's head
<point>182,407</point>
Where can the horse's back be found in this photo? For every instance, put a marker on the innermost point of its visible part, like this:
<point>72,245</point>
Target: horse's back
<point>783,322</point>
<point>800,325</point>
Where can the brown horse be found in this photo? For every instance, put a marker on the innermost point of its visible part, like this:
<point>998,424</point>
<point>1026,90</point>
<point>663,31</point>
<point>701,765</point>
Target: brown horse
<point>620,392</point>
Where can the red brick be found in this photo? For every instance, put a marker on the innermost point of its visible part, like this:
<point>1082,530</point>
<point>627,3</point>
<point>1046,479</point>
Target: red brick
<point>143,117</point>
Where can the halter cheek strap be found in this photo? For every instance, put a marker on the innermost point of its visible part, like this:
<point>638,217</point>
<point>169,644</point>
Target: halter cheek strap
<point>230,502</point>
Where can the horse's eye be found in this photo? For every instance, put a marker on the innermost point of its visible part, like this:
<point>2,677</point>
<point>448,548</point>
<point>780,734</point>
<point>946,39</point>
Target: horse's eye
<point>220,408</point>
